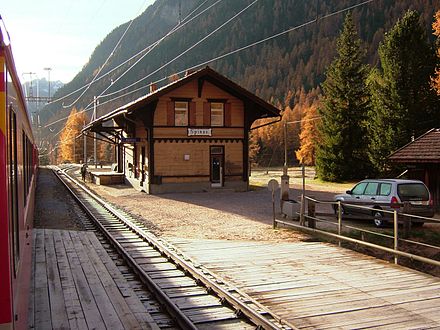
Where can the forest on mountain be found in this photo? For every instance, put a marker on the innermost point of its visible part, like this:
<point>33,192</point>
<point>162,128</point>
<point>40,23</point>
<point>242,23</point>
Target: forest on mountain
<point>286,71</point>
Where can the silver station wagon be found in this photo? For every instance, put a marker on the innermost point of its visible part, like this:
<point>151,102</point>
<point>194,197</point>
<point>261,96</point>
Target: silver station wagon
<point>387,194</point>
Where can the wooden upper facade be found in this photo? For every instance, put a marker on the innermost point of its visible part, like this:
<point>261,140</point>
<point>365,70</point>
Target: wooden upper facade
<point>190,135</point>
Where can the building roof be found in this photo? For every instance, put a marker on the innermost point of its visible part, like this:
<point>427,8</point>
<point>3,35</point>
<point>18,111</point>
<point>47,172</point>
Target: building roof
<point>206,74</point>
<point>424,149</point>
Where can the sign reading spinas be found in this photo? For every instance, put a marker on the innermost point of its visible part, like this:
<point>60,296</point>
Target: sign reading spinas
<point>199,131</point>
<point>130,140</point>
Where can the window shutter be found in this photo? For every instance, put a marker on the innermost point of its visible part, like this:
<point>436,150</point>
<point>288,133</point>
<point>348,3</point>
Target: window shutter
<point>228,115</point>
<point>170,113</point>
<point>192,113</point>
<point>206,114</point>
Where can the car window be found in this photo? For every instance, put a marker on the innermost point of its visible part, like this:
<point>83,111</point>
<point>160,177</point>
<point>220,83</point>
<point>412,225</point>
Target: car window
<point>385,189</point>
<point>412,192</point>
<point>371,188</point>
<point>359,188</point>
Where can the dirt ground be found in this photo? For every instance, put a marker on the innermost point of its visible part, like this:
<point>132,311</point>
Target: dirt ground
<point>217,215</point>
<point>54,208</point>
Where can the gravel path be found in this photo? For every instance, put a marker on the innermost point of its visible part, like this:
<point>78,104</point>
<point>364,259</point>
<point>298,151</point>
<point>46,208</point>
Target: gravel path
<point>210,215</point>
<point>54,208</point>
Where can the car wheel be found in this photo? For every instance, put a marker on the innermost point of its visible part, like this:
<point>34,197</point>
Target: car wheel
<point>378,220</point>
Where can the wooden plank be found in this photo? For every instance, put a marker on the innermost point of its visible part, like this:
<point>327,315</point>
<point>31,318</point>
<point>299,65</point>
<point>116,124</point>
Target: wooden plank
<point>41,296</point>
<point>99,295</point>
<point>315,285</point>
<point>74,310</point>
<point>56,297</point>
<point>126,317</point>
<point>130,296</point>
<point>89,307</point>
<point>31,315</point>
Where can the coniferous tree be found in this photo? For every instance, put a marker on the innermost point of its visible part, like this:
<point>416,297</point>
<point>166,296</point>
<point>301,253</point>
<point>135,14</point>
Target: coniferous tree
<point>341,154</point>
<point>403,102</point>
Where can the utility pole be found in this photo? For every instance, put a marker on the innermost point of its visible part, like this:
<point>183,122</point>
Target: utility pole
<point>48,79</point>
<point>285,176</point>
<point>94,134</point>
<point>85,146</point>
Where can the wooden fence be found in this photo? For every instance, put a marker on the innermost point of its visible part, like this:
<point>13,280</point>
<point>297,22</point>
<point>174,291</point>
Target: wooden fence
<point>310,222</point>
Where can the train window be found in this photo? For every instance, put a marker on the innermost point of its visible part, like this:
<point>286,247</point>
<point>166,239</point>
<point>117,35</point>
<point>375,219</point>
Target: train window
<point>13,186</point>
<point>27,166</point>
<point>25,173</point>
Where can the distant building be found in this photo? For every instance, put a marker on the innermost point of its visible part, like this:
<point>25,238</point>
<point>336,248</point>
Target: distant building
<point>422,159</point>
<point>191,135</point>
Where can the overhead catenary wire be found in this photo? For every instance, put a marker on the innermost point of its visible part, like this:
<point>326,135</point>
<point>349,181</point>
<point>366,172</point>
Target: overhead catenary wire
<point>231,53</point>
<point>242,48</point>
<point>108,59</point>
<point>182,53</point>
<point>184,22</point>
<point>87,108</point>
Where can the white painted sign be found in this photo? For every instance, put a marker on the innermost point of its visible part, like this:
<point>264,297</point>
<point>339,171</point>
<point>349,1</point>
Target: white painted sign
<point>199,131</point>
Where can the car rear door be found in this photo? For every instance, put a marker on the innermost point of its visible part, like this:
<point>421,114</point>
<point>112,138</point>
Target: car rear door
<point>369,196</point>
<point>383,198</point>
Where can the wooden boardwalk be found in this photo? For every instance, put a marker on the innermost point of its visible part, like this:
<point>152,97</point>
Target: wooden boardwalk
<point>76,285</point>
<point>321,286</point>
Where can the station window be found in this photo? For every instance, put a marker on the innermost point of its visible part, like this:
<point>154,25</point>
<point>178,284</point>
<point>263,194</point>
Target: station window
<point>217,114</point>
<point>180,113</point>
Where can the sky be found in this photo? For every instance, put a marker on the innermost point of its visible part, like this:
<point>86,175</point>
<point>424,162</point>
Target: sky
<point>61,34</point>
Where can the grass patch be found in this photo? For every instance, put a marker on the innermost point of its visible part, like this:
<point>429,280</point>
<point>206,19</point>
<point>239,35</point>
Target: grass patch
<point>261,176</point>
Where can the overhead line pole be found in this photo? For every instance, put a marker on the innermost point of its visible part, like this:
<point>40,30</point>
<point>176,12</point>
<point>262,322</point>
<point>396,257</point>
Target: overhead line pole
<point>94,134</point>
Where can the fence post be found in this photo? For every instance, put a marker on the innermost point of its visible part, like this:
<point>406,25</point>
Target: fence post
<point>339,221</point>
<point>302,210</point>
<point>303,197</point>
<point>311,213</point>
<point>406,220</point>
<point>396,236</point>
<point>274,223</point>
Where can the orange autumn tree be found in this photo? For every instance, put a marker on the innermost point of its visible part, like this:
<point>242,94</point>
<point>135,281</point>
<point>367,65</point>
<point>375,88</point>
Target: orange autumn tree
<point>436,29</point>
<point>70,147</point>
<point>266,144</point>
<point>309,135</point>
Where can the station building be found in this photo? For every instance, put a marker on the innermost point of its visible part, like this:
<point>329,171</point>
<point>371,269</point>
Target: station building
<point>190,135</point>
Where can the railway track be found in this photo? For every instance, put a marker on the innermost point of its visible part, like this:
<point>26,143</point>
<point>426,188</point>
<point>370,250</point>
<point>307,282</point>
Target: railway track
<point>177,292</point>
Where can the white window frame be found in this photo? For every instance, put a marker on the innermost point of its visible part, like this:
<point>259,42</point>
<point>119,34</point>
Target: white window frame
<point>218,114</point>
<point>181,110</point>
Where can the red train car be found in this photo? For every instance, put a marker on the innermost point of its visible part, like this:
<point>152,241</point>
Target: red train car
<point>18,168</point>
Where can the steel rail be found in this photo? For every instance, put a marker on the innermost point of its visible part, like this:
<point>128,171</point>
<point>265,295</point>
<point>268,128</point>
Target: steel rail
<point>162,298</point>
<point>256,317</point>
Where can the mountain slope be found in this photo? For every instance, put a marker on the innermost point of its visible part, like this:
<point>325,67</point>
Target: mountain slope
<point>270,69</point>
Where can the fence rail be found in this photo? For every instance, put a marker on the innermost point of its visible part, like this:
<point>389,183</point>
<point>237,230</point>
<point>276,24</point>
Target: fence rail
<point>313,218</point>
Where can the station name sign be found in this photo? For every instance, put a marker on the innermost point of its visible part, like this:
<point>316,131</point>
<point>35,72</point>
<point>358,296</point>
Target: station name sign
<point>199,131</point>
<point>130,140</point>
